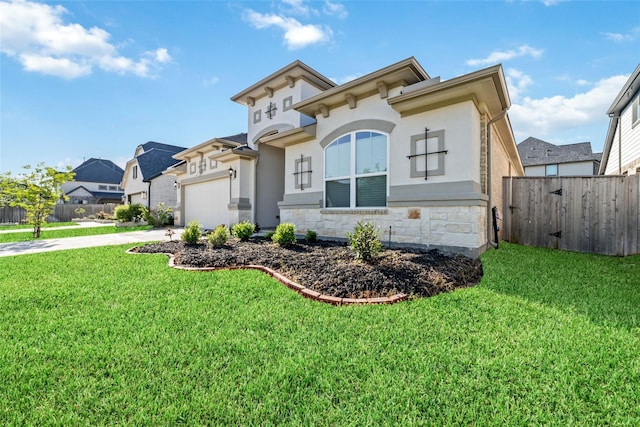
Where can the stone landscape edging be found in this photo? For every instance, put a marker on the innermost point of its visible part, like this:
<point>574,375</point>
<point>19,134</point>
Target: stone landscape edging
<point>304,291</point>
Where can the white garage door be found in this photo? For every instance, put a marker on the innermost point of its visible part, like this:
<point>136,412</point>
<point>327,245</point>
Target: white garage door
<point>206,202</point>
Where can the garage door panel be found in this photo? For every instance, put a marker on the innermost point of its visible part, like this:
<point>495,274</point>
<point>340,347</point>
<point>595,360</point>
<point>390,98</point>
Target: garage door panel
<point>206,202</point>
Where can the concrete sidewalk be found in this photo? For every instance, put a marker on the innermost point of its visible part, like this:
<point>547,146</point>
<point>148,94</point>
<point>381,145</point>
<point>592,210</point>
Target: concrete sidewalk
<point>48,245</point>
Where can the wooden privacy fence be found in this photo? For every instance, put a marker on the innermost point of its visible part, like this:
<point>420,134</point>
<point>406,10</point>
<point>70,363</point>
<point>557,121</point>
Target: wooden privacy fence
<point>599,214</point>
<point>61,213</point>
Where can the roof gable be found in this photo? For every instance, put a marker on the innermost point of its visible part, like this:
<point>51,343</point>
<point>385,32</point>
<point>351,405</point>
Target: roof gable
<point>285,76</point>
<point>535,151</point>
<point>99,170</point>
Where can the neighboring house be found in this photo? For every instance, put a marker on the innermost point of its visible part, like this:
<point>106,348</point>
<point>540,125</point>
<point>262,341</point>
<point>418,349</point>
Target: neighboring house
<point>541,158</point>
<point>621,154</point>
<point>95,181</point>
<point>143,179</point>
<point>421,158</point>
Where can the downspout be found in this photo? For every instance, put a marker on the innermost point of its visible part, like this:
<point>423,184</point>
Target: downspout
<point>149,195</point>
<point>489,213</point>
<point>619,145</point>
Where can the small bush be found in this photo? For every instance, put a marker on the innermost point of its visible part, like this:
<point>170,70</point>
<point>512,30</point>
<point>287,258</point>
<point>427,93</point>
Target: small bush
<point>192,233</point>
<point>159,216</point>
<point>311,236</point>
<point>219,237</point>
<point>123,214</point>
<point>79,212</point>
<point>285,234</point>
<point>103,215</point>
<point>133,212</point>
<point>243,230</point>
<point>365,241</point>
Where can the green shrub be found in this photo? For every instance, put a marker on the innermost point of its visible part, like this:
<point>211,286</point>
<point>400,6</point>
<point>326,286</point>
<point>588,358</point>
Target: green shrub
<point>159,216</point>
<point>243,230</point>
<point>219,237</point>
<point>192,233</point>
<point>365,241</point>
<point>79,212</point>
<point>133,212</point>
<point>123,213</point>
<point>285,234</point>
<point>311,236</point>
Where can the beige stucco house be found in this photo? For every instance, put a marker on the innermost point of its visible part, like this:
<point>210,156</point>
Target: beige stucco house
<point>621,153</point>
<point>421,158</point>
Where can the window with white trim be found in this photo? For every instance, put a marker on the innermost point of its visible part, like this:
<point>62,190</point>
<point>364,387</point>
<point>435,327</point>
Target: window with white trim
<point>551,170</point>
<point>355,170</point>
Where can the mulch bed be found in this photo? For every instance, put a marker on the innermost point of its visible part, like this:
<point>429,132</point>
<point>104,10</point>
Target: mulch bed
<point>331,269</point>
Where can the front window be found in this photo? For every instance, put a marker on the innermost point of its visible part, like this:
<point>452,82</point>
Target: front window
<point>356,171</point>
<point>135,172</point>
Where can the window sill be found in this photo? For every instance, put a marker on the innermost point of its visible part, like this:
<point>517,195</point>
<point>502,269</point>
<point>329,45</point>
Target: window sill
<point>354,211</point>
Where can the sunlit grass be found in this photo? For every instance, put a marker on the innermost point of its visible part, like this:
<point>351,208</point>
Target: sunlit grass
<point>69,232</point>
<point>97,336</point>
<point>29,226</point>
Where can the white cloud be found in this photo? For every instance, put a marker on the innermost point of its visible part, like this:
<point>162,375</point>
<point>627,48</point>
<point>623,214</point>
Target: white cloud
<point>517,82</point>
<point>335,9</point>
<point>547,116</point>
<point>296,35</point>
<point>632,35</point>
<point>37,36</point>
<point>211,81</point>
<point>501,56</point>
<point>298,7</point>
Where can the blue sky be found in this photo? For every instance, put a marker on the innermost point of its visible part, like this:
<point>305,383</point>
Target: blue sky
<point>88,79</point>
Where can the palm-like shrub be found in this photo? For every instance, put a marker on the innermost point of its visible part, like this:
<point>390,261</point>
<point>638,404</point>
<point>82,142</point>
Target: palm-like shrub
<point>365,241</point>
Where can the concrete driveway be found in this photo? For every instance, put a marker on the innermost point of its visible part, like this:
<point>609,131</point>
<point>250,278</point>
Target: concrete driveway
<point>48,245</point>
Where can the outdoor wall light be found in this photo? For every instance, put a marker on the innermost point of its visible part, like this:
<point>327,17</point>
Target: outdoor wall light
<point>232,173</point>
<point>176,185</point>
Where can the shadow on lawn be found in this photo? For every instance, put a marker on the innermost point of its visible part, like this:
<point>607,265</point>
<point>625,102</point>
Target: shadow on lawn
<point>603,288</point>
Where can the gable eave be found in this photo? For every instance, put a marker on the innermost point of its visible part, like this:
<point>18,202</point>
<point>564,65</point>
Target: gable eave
<point>626,94</point>
<point>405,72</point>
<point>291,137</point>
<point>487,85</point>
<point>292,72</point>
<point>205,147</point>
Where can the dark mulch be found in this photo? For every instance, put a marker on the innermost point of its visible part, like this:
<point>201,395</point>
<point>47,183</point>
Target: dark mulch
<point>330,267</point>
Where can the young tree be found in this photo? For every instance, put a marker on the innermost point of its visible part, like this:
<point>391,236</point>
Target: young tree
<point>36,191</point>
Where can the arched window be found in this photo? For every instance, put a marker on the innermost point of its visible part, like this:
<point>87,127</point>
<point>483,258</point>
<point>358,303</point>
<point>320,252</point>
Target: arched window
<point>355,170</point>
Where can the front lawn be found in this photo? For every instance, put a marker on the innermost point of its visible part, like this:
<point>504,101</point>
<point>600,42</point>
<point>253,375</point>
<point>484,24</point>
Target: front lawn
<point>29,226</point>
<point>97,336</point>
<point>67,232</point>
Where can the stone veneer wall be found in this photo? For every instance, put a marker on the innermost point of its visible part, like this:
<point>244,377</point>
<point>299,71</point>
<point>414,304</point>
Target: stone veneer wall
<point>460,229</point>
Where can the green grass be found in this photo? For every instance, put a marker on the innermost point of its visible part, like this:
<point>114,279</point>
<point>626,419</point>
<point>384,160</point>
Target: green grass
<point>29,226</point>
<point>70,232</point>
<point>97,336</point>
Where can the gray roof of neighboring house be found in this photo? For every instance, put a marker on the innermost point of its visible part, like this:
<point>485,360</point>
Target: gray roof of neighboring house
<point>99,170</point>
<point>156,158</point>
<point>535,151</point>
<point>239,138</point>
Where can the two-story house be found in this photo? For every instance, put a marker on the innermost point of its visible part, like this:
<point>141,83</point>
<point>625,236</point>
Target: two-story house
<point>143,180</point>
<point>95,181</point>
<point>541,158</point>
